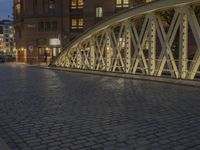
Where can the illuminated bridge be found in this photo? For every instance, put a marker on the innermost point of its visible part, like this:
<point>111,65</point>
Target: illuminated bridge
<point>46,109</point>
<point>161,38</point>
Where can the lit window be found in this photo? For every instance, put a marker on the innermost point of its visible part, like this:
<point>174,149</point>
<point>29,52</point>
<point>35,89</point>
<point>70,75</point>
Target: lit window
<point>52,4</point>
<point>73,4</point>
<point>77,4</point>
<point>118,3</point>
<point>74,24</point>
<point>17,1</point>
<point>122,3</point>
<point>99,12</point>
<point>80,3</point>
<point>18,9</point>
<point>77,23</point>
<point>126,3</point>
<point>11,36</point>
<point>80,23</point>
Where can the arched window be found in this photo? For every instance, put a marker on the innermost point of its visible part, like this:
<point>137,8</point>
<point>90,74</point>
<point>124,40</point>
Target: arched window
<point>99,12</point>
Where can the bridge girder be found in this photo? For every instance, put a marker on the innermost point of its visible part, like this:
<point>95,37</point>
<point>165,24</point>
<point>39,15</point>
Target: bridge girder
<point>118,45</point>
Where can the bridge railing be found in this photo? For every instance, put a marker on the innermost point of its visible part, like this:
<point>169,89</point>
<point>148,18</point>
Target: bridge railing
<point>87,65</point>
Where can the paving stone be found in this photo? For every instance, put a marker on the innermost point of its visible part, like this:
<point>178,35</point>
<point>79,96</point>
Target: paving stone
<point>74,147</point>
<point>54,144</point>
<point>142,148</point>
<point>97,146</point>
<point>48,109</point>
<point>54,148</point>
<point>40,147</point>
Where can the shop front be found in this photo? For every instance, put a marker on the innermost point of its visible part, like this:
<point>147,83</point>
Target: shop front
<point>55,45</point>
<point>48,50</point>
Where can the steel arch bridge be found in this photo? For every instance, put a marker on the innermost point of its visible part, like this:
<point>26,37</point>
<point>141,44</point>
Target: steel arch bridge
<point>141,41</point>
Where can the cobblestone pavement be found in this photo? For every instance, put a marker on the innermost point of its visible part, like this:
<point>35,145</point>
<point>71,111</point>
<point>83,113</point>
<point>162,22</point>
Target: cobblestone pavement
<point>44,109</point>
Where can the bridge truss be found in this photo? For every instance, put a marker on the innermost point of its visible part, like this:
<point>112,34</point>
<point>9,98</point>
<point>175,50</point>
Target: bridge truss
<point>141,41</point>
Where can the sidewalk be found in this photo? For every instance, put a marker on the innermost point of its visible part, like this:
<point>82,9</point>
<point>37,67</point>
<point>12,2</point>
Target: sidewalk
<point>163,79</point>
<point>44,65</point>
<point>3,145</point>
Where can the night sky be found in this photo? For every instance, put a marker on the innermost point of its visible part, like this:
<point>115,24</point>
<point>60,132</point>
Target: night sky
<point>5,9</point>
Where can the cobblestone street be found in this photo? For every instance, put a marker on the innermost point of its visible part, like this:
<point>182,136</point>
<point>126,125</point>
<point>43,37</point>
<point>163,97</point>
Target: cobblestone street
<point>43,109</point>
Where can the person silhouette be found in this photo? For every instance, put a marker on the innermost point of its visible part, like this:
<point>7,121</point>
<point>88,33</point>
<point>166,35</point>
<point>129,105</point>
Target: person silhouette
<point>45,57</point>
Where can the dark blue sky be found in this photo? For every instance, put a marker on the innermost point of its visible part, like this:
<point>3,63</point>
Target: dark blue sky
<point>5,9</point>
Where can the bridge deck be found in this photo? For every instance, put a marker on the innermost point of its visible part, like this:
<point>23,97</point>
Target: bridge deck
<point>42,109</point>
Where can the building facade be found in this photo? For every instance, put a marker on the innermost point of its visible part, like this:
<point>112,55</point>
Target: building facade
<point>6,36</point>
<point>44,27</point>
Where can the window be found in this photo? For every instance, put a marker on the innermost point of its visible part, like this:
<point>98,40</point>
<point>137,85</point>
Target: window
<point>77,4</point>
<point>35,3</point>
<point>126,3</point>
<point>52,4</point>
<point>122,3</point>
<point>10,35</point>
<point>77,23</point>
<point>73,4</point>
<point>54,26</point>
<point>18,9</point>
<point>99,12</point>
<point>74,24</point>
<point>80,23</point>
<point>48,26</point>
<point>6,27</point>
<point>17,1</point>
<point>20,34</point>
<point>41,26</point>
<point>1,29</point>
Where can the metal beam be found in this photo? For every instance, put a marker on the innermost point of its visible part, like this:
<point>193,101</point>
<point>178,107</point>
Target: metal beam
<point>118,45</point>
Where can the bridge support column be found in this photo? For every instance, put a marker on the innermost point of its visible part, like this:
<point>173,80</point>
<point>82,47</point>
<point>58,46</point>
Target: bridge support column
<point>66,61</point>
<point>152,45</point>
<point>79,58</point>
<point>183,46</point>
<point>195,27</point>
<point>92,55</point>
<point>108,52</point>
<point>128,48</point>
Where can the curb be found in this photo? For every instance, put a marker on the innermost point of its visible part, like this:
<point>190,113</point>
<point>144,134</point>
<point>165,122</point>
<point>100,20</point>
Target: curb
<point>3,145</point>
<point>194,83</point>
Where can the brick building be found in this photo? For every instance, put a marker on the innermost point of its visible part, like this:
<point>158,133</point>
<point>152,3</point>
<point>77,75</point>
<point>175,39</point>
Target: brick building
<point>43,27</point>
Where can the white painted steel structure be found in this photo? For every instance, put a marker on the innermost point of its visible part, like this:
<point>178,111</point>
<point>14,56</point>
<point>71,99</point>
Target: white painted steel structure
<point>118,45</point>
